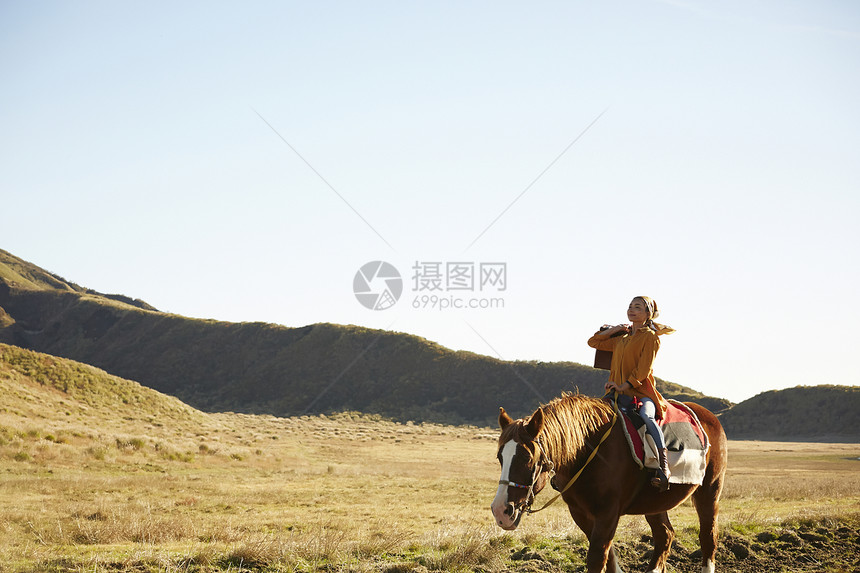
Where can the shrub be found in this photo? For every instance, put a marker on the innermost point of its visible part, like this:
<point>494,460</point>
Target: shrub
<point>97,452</point>
<point>174,456</point>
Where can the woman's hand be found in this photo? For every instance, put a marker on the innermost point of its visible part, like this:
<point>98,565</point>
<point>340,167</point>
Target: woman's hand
<point>617,328</point>
<point>620,388</point>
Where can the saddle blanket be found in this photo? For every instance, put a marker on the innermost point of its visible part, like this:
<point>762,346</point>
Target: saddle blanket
<point>686,442</point>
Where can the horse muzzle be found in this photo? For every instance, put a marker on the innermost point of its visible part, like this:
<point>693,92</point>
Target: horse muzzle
<point>507,516</point>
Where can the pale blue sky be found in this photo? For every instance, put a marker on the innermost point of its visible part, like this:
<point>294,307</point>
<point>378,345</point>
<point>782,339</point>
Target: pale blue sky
<point>722,179</point>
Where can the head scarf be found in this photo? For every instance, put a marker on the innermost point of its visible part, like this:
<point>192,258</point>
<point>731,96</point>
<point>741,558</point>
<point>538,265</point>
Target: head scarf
<point>653,313</point>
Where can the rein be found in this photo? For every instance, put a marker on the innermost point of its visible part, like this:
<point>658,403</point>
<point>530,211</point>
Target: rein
<point>576,476</point>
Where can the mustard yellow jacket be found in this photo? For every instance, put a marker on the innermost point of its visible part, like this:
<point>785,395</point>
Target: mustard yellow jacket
<point>633,361</point>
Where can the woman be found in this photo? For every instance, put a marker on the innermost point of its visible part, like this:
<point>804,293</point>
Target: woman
<point>631,373</point>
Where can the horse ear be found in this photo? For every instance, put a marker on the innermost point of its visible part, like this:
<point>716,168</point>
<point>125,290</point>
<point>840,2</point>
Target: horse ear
<point>504,419</point>
<point>535,424</point>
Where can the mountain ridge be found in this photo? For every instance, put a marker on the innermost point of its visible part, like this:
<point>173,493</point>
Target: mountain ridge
<point>825,412</point>
<point>273,369</point>
<point>15,272</point>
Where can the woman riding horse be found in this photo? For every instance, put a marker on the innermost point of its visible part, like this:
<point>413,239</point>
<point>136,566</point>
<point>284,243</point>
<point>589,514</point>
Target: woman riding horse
<point>631,373</point>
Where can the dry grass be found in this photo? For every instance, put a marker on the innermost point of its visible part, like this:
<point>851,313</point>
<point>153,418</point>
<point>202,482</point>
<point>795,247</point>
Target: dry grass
<point>308,492</point>
<point>89,487</point>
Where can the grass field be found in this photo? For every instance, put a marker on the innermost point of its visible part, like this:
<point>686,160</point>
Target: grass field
<point>233,492</point>
<point>99,474</point>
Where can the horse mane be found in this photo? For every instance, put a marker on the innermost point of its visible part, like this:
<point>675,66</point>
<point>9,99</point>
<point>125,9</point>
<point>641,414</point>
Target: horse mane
<point>567,422</point>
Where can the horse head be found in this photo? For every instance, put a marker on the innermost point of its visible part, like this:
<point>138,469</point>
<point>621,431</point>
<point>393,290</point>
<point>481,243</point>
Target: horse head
<point>525,467</point>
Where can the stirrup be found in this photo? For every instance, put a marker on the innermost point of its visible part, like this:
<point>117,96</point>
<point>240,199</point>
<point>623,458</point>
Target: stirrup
<point>660,480</point>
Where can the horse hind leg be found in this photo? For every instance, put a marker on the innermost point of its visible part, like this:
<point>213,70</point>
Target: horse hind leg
<point>663,534</point>
<point>706,501</point>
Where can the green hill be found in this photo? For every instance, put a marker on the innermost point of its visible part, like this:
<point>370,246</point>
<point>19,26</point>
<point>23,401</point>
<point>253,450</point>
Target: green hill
<point>62,412</point>
<point>272,369</point>
<point>60,381</point>
<point>820,413</point>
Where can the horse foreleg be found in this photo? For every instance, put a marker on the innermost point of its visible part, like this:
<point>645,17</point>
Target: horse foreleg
<point>663,534</point>
<point>599,560</point>
<point>600,545</point>
<point>706,501</point>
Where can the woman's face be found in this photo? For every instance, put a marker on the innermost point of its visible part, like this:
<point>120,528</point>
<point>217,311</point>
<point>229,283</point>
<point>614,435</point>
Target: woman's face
<point>637,311</point>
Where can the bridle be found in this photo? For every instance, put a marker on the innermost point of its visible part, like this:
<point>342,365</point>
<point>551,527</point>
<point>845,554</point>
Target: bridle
<point>543,465</point>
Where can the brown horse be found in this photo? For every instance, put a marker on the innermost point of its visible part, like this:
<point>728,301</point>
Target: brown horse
<point>560,436</point>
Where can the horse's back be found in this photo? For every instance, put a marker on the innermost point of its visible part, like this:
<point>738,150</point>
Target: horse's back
<point>649,501</point>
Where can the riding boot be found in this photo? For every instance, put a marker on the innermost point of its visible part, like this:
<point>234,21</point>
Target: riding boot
<point>661,474</point>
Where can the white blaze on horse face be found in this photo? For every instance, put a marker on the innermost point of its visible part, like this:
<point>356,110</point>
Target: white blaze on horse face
<point>501,500</point>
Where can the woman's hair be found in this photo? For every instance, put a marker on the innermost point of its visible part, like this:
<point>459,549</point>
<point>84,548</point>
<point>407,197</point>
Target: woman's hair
<point>650,305</point>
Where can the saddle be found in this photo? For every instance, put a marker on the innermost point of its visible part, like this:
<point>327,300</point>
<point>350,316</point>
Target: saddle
<point>685,439</point>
